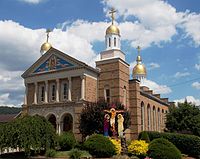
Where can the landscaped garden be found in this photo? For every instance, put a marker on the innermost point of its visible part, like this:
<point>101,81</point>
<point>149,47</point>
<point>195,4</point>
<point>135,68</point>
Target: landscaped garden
<point>36,138</point>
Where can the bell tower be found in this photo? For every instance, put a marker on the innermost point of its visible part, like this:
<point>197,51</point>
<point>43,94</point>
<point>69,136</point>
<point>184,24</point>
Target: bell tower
<point>114,71</point>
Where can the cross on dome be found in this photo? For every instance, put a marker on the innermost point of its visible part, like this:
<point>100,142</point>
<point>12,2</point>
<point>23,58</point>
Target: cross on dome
<point>112,15</point>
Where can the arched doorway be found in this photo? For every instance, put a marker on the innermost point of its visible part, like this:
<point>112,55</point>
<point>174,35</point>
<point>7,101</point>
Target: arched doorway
<point>52,119</point>
<point>67,122</point>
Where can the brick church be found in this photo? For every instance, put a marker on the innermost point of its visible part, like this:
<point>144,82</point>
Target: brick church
<point>58,86</point>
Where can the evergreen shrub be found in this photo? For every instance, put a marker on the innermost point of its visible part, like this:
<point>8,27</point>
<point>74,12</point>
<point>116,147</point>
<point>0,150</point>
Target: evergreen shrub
<point>99,146</point>
<point>144,136</point>
<point>187,144</point>
<point>66,141</point>
<point>163,149</point>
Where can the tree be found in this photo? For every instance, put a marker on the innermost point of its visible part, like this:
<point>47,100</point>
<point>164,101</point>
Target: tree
<point>92,117</point>
<point>28,133</point>
<point>184,119</point>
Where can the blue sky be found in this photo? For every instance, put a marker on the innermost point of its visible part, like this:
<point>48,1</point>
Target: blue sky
<point>167,31</point>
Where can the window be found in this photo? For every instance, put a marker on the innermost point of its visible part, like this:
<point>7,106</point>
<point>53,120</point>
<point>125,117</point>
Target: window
<point>149,117</point>
<point>42,94</point>
<point>158,119</point>
<point>142,116</point>
<point>108,95</point>
<point>109,40</point>
<point>65,89</point>
<point>53,92</point>
<point>114,41</point>
<point>124,94</point>
<point>154,118</point>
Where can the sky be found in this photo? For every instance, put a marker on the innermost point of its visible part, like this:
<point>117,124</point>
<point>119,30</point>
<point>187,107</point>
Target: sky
<point>167,31</point>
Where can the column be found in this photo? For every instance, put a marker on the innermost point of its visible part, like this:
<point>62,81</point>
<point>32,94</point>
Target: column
<point>69,89</point>
<point>26,92</point>
<point>35,93</point>
<point>46,91</point>
<point>82,87</point>
<point>57,89</point>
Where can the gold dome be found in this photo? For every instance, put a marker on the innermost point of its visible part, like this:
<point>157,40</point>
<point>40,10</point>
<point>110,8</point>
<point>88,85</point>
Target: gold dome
<point>45,47</point>
<point>139,69</point>
<point>112,29</point>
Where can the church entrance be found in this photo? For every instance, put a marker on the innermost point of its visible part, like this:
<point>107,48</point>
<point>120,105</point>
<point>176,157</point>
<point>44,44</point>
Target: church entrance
<point>52,120</point>
<point>67,122</point>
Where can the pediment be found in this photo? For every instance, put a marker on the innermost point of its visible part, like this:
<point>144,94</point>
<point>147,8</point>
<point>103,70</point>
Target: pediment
<point>53,63</point>
<point>53,60</point>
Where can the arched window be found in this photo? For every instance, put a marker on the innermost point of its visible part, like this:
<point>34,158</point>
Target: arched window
<point>154,118</point>
<point>107,93</point>
<point>158,119</point>
<point>41,92</point>
<point>53,92</point>
<point>115,41</point>
<point>142,116</point>
<point>149,117</point>
<point>124,95</point>
<point>109,42</point>
<point>162,120</point>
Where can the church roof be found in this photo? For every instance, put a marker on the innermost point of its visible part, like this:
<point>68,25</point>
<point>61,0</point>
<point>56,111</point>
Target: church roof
<point>55,60</point>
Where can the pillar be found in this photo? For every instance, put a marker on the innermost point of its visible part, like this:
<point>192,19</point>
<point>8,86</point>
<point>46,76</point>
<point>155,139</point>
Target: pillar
<point>69,89</point>
<point>46,91</point>
<point>35,93</point>
<point>82,87</point>
<point>25,96</point>
<point>57,89</point>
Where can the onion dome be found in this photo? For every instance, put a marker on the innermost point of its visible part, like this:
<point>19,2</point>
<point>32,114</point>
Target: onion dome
<point>112,29</point>
<point>139,71</point>
<point>46,46</point>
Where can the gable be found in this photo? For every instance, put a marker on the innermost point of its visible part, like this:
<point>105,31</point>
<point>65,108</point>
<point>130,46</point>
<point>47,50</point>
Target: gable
<point>53,63</point>
<point>54,60</point>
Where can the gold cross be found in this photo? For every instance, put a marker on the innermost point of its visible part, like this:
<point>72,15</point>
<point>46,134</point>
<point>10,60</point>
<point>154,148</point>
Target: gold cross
<point>112,14</point>
<point>48,31</point>
<point>139,49</point>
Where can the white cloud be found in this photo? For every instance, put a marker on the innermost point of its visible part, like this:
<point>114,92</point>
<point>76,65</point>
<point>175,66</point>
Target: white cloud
<point>32,1</point>
<point>196,85</point>
<point>153,66</point>
<point>191,25</point>
<point>183,74</point>
<point>197,66</point>
<point>157,21</point>
<point>189,99</point>
<point>160,89</point>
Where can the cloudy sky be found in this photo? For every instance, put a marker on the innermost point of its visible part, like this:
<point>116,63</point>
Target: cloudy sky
<point>168,32</point>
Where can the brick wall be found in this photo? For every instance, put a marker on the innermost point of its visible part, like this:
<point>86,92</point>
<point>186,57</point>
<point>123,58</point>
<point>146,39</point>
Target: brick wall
<point>90,89</point>
<point>76,88</point>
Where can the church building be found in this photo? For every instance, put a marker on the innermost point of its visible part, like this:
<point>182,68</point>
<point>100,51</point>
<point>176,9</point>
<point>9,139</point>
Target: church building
<point>58,86</point>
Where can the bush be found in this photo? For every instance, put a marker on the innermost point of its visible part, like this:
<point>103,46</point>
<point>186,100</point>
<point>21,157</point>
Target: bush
<point>144,136</point>
<point>75,154</point>
<point>30,133</point>
<point>99,146</point>
<point>138,147</point>
<point>50,153</point>
<point>181,141</point>
<point>117,144</point>
<point>163,149</point>
<point>67,141</point>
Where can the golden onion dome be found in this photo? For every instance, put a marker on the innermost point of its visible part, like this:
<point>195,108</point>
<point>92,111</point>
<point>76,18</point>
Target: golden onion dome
<point>45,47</point>
<point>112,29</point>
<point>139,69</point>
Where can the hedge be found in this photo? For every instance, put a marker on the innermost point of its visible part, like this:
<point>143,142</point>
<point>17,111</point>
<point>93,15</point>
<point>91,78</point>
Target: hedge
<point>187,144</point>
<point>163,149</point>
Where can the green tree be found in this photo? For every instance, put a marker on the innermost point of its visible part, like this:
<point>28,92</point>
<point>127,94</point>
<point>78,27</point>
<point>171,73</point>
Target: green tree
<point>185,118</point>
<point>28,133</point>
<point>92,117</point>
